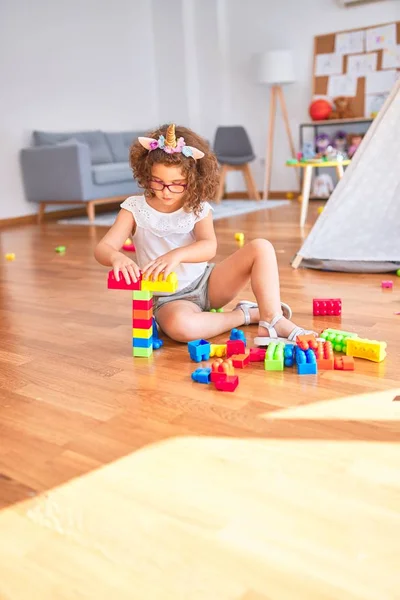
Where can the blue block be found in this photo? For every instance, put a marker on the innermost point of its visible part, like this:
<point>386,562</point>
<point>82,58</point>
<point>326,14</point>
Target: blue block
<point>199,350</point>
<point>306,362</point>
<point>157,343</point>
<point>201,375</point>
<point>289,355</point>
<point>142,342</point>
<point>238,334</point>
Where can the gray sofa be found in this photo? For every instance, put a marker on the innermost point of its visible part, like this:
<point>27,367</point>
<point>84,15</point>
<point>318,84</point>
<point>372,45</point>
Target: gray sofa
<point>78,167</point>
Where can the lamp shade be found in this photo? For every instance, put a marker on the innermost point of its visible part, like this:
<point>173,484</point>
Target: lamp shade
<point>275,67</point>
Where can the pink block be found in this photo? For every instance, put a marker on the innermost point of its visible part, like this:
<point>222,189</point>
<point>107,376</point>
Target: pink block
<point>257,354</point>
<point>113,284</point>
<point>327,307</point>
<point>235,347</point>
<point>387,284</point>
<point>142,323</point>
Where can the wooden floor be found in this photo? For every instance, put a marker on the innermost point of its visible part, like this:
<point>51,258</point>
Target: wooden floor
<point>123,478</point>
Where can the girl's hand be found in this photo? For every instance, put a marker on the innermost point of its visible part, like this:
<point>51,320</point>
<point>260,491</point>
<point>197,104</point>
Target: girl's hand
<point>163,264</point>
<point>128,268</point>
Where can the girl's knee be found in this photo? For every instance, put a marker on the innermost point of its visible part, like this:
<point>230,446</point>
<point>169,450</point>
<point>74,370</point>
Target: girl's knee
<point>178,328</point>
<point>262,246</point>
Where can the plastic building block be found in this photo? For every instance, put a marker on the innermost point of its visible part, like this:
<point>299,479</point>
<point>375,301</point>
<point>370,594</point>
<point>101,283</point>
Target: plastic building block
<point>142,304</point>
<point>142,295</point>
<point>239,236</point>
<point>129,246</point>
<point>240,361</point>
<point>274,357</point>
<point>398,272</point>
<point>289,355</point>
<point>142,352</point>
<point>202,375</point>
<point>10,256</point>
<point>368,349</point>
<point>144,315</point>
<point>142,323</point>
<point>338,338</point>
<point>227,384</point>
<point>238,334</point>
<point>113,284</point>
<point>221,369</point>
<point>142,333</point>
<point>306,362</point>
<point>257,354</point>
<point>307,341</point>
<point>344,363</point>
<point>218,350</point>
<point>142,342</point>
<point>199,350</point>
<point>324,356</point>
<point>161,285</point>
<point>60,249</point>
<point>157,343</point>
<point>215,310</point>
<point>387,284</point>
<point>327,306</point>
<point>235,347</point>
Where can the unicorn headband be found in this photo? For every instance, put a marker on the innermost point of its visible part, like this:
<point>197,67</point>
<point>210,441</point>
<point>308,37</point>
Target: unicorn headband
<point>170,144</point>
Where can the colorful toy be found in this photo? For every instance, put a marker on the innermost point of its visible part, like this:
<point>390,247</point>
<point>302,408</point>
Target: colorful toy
<point>227,384</point>
<point>220,369</point>
<point>322,142</point>
<point>240,361</point>
<point>60,249</point>
<point>308,150</point>
<point>368,349</point>
<point>344,363</point>
<point>239,237</point>
<point>338,338</point>
<point>327,306</point>
<point>289,355</point>
<point>215,310</point>
<point>257,354</point>
<point>398,272</point>
<point>306,362</point>
<point>199,350</point>
<point>161,285</point>
<point>320,109</point>
<point>202,375</point>
<point>157,342</point>
<point>274,357</point>
<point>217,350</point>
<point>355,140</point>
<point>235,347</point>
<point>113,284</point>
<point>341,108</point>
<point>339,141</point>
<point>142,328</point>
<point>320,209</point>
<point>387,284</point>
<point>324,356</point>
<point>322,186</point>
<point>129,246</point>
<point>10,256</point>
<point>307,341</point>
<point>238,334</point>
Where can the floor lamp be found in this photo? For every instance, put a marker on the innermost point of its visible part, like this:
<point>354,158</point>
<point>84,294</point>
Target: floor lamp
<point>275,68</point>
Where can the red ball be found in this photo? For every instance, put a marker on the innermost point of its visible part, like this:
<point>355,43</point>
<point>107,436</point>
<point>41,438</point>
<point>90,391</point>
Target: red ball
<point>320,109</point>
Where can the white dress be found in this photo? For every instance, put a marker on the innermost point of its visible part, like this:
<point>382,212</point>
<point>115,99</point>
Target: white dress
<point>157,233</point>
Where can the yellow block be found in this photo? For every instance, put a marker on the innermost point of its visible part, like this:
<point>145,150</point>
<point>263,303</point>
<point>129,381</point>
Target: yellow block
<point>168,285</point>
<point>142,333</point>
<point>217,350</point>
<point>368,349</point>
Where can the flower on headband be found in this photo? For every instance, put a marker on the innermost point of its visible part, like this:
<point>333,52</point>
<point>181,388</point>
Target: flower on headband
<point>187,151</point>
<point>153,145</point>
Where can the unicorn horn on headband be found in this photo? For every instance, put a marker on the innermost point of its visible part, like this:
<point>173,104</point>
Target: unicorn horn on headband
<point>170,145</point>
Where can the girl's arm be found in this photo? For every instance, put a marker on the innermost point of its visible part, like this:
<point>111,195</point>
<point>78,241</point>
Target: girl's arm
<point>108,253</point>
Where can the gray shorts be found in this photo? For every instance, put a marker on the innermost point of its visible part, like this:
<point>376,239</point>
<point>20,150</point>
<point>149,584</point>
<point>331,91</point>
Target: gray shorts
<point>196,292</point>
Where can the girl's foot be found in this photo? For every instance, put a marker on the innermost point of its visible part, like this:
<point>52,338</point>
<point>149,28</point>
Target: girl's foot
<point>280,329</point>
<point>283,328</point>
<point>252,313</point>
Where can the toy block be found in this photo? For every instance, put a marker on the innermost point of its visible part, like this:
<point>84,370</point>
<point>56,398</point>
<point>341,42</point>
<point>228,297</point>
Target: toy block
<point>144,315</point>
<point>157,343</point>
<point>338,338</point>
<point>307,341</point>
<point>142,323</point>
<point>169,285</point>
<point>142,304</point>
<point>227,384</point>
<point>257,354</point>
<point>142,333</point>
<point>142,295</point>
<point>202,375</point>
<point>240,361</point>
<point>143,352</point>
<point>387,284</point>
<point>142,342</point>
<point>274,357</point>
<point>324,356</point>
<point>235,347</point>
<point>221,369</point>
<point>327,306</point>
<point>218,350</point>
<point>289,355</point>
<point>113,284</point>
<point>215,310</point>
<point>368,349</point>
<point>129,246</point>
<point>199,350</point>
<point>238,334</point>
<point>344,363</point>
<point>306,362</point>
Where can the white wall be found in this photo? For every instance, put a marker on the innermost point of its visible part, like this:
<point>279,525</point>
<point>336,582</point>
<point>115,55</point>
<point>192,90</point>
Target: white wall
<point>86,64</point>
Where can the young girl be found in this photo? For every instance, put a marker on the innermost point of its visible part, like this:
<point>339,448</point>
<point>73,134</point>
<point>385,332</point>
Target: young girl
<point>173,230</point>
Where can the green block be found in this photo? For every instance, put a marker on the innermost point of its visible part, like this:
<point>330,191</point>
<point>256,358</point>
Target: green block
<point>338,338</point>
<point>142,352</point>
<point>274,357</point>
<point>139,295</point>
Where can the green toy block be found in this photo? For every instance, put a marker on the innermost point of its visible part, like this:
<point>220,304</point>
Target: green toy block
<point>215,310</point>
<point>274,358</point>
<point>143,352</point>
<point>338,338</point>
<point>142,295</point>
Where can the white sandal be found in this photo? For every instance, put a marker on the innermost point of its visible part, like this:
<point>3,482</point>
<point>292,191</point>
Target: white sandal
<point>273,336</point>
<point>245,305</point>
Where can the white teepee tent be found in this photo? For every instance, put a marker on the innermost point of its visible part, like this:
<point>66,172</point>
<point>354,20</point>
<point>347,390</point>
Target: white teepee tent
<point>359,230</point>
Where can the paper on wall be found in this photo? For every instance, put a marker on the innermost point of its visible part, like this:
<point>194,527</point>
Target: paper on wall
<point>391,57</point>
<point>342,85</point>
<point>362,64</point>
<point>381,37</point>
<point>373,103</point>
<point>350,42</point>
<point>380,81</point>
<point>328,64</point>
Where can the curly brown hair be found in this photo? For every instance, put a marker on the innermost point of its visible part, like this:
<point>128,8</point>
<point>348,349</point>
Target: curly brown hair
<point>202,174</point>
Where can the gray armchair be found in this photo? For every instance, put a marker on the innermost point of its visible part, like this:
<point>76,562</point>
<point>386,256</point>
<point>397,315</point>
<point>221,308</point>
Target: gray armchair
<point>73,168</point>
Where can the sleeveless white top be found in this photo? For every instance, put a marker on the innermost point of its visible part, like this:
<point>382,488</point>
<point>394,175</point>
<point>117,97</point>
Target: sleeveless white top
<point>157,233</point>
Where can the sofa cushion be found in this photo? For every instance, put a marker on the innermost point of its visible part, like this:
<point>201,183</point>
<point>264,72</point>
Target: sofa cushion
<point>120,142</point>
<point>99,150</point>
<point>112,173</point>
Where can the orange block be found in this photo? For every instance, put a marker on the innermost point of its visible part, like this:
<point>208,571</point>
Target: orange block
<point>221,368</point>
<point>344,363</point>
<point>240,361</point>
<point>307,341</point>
<point>324,355</point>
<point>143,314</point>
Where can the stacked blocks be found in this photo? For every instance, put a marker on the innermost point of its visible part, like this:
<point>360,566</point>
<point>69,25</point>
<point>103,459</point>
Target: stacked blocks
<point>113,284</point>
<point>338,338</point>
<point>324,355</point>
<point>222,375</point>
<point>169,285</point>
<point>306,362</point>
<point>274,357</point>
<point>327,306</point>
<point>238,334</point>
<point>368,349</point>
<point>142,323</point>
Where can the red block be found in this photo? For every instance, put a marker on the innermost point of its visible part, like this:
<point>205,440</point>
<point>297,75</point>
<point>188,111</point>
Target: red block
<point>305,342</point>
<point>240,361</point>
<point>113,284</point>
<point>344,363</point>
<point>227,384</point>
<point>142,323</point>
<point>327,307</point>
<point>220,369</point>
<point>235,347</point>
<point>257,354</point>
<point>142,304</point>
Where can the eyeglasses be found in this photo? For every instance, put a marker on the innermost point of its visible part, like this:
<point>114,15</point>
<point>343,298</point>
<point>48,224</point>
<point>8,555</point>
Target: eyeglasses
<point>174,188</point>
